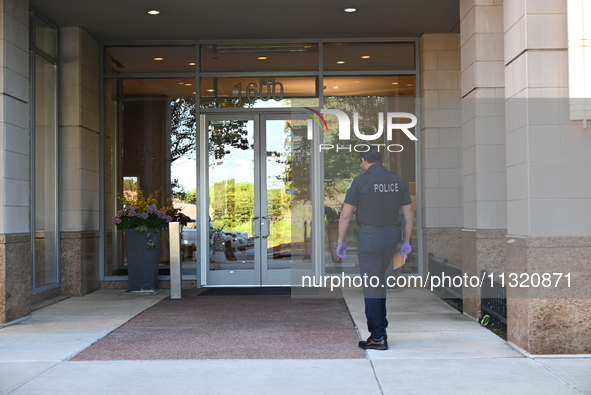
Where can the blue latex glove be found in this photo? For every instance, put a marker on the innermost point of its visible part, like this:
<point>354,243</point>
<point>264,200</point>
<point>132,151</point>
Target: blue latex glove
<point>405,249</point>
<point>342,250</point>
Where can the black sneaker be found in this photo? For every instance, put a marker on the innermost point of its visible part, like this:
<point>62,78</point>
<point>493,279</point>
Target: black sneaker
<point>374,344</point>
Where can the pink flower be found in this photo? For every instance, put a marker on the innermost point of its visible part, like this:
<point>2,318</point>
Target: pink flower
<point>116,221</point>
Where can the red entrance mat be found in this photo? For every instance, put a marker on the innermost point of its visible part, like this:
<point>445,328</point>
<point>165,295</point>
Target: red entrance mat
<point>233,327</point>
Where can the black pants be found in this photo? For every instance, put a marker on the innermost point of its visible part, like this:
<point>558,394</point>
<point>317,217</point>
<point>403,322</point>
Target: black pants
<point>377,245</point>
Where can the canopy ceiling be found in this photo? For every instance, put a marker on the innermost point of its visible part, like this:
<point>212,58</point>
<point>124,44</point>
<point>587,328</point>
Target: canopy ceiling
<point>110,20</point>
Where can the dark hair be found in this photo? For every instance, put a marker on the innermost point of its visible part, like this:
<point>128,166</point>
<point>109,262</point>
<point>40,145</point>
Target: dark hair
<point>372,155</point>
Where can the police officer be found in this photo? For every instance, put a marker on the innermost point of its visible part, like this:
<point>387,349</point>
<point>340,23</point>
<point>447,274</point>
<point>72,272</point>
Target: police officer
<point>376,197</point>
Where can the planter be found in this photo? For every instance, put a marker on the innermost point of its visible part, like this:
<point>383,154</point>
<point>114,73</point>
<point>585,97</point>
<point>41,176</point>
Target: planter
<point>142,261</point>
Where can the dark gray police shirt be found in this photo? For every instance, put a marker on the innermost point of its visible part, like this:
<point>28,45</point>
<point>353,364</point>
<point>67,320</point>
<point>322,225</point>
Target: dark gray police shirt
<point>378,195</point>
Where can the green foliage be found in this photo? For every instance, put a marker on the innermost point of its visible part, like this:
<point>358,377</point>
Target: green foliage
<point>458,306</point>
<point>340,167</point>
<point>227,133</point>
<point>130,184</point>
<point>344,164</point>
<point>184,130</point>
<point>182,195</point>
<point>233,209</point>
<point>191,196</point>
<point>233,204</point>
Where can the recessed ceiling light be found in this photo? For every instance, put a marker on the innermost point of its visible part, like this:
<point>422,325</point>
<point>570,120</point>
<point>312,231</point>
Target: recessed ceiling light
<point>350,9</point>
<point>158,58</point>
<point>153,12</point>
<point>192,64</point>
<point>365,57</point>
<point>188,84</point>
<point>409,85</point>
<point>395,83</point>
<point>210,90</point>
<point>340,61</point>
<point>262,58</point>
<point>336,87</point>
<point>194,93</point>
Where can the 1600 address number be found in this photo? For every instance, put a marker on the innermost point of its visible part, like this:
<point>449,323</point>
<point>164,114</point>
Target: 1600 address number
<point>266,91</point>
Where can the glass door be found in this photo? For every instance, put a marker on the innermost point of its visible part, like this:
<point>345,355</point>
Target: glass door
<point>286,191</point>
<point>234,211</point>
<point>259,199</point>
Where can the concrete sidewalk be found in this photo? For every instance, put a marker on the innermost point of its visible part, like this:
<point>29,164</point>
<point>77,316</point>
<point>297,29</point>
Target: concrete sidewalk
<point>433,349</point>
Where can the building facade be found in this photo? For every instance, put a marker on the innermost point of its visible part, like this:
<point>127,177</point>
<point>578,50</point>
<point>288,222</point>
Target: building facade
<point>222,127</point>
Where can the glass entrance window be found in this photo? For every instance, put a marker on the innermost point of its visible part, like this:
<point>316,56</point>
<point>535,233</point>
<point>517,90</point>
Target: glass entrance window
<point>369,97</point>
<point>45,254</point>
<point>150,133</point>
<point>259,57</point>
<point>45,174</point>
<point>235,118</point>
<point>387,86</point>
<point>149,59</point>
<point>258,92</point>
<point>344,56</point>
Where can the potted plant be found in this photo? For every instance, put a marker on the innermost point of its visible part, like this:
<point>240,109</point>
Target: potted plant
<point>143,223</point>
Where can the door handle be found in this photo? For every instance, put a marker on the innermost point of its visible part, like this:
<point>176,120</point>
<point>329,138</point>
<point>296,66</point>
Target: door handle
<point>254,236</point>
<point>268,227</point>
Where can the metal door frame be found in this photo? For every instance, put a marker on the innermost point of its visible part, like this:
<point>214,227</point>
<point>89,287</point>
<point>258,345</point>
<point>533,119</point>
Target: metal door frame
<point>260,272</point>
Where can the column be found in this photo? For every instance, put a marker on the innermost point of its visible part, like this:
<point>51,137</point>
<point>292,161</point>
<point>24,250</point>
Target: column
<point>483,130</point>
<point>15,239</point>
<point>79,155</point>
<point>441,145</point>
<point>548,187</point>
